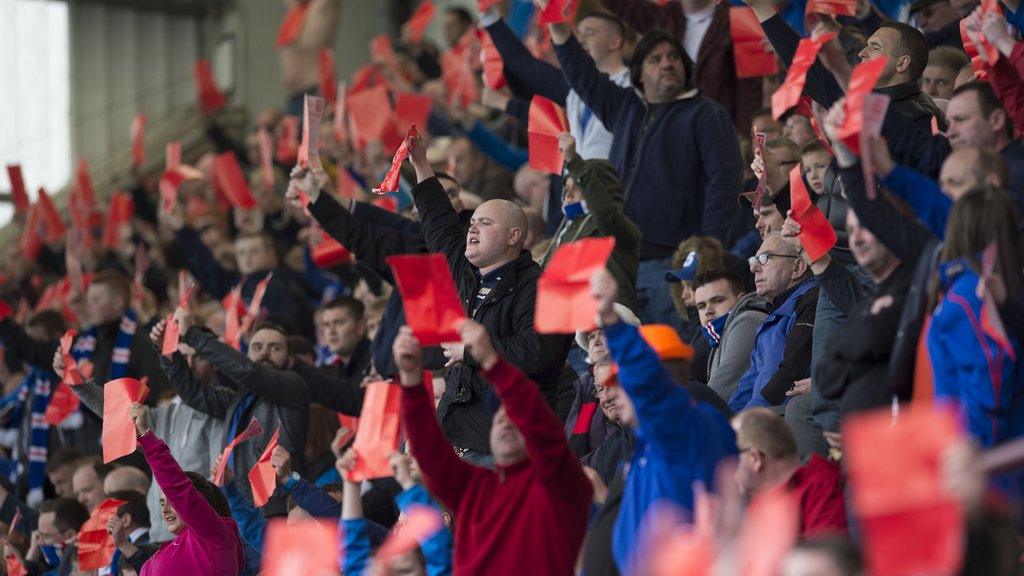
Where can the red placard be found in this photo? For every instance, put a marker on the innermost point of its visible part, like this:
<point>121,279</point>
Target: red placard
<point>377,435</point>
<point>118,429</point>
<point>390,181</point>
<point>558,11</point>
<point>432,306</point>
<point>564,303</point>
<point>816,234</point>
<point>546,122</point>
<point>494,66</point>
<point>229,177</point>
<point>262,478</point>
<point>95,545</point>
<point>750,45</point>
<point>417,24</point>
<point>291,26</point>
<point>306,547</point>
<point>19,194</point>
<point>788,94</point>
<point>328,79</point>
<point>309,149</point>
<point>211,99</point>
<point>118,215</point>
<point>52,223</point>
<point>862,82</point>
<point>412,110</point>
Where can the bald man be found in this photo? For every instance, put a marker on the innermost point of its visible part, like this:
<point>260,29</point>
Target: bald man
<point>126,478</point>
<point>497,283</point>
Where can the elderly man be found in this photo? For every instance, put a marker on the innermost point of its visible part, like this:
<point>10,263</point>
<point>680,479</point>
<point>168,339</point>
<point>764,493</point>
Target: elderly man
<point>782,347</point>
<point>497,283</point>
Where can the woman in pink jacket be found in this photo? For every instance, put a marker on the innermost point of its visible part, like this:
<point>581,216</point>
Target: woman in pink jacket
<point>206,540</point>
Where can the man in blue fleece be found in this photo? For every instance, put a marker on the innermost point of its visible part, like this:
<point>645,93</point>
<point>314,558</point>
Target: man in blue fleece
<point>679,438</point>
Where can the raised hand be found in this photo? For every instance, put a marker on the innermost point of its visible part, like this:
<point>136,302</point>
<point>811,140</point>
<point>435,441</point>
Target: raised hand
<point>157,333</point>
<point>408,357</point>
<point>604,290</point>
<point>567,146</point>
<point>281,460</point>
<point>476,338</point>
<point>401,466</point>
<point>140,416</point>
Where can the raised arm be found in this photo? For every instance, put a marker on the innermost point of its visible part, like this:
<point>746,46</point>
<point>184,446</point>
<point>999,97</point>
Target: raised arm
<point>445,475</point>
<point>603,192</point>
<point>308,496</point>
<point>282,387</point>
<point>598,92</point>
<point>535,75</point>
<point>201,263</point>
<point>189,504</point>
<point>924,196</point>
<point>437,550</point>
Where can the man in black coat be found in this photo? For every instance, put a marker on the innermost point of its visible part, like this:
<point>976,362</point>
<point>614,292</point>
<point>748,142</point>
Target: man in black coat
<point>497,284</point>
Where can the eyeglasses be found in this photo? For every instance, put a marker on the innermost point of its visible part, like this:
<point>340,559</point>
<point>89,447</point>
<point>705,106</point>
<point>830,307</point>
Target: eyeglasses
<point>764,257</point>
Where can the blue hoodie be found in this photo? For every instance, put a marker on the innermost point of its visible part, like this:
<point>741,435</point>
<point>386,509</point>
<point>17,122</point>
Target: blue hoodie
<point>678,440</point>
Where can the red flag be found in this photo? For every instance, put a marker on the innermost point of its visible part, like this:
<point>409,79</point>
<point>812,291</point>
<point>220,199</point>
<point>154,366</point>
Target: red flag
<point>118,429</point>
<point>306,547</point>
<point>63,403</point>
<point>119,215</point>
<point>19,194</point>
<point>564,304</point>
<point>52,223</point>
<point>558,11</point>
<point>138,134</point>
<point>262,478</point>
<point>251,431</point>
<point>863,80</point>
<point>328,79</point>
<point>412,110</point>
<point>750,45</point>
<point>911,523</point>
<point>390,181</point>
<point>371,113</point>
<point>417,525</point>
<point>494,66</point>
<point>816,234</point>
<point>291,26</point>
<point>417,24</point>
<point>95,546</point>
<point>377,436</point>
<point>313,114</point>
<point>211,99</point>
<point>546,122</point>
<point>71,375</point>
<point>832,7</point>
<point>287,150</point>
<point>788,94</point>
<point>229,177</point>
<point>432,306</point>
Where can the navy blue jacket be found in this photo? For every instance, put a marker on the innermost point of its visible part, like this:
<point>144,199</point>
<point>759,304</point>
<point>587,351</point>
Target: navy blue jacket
<point>679,162</point>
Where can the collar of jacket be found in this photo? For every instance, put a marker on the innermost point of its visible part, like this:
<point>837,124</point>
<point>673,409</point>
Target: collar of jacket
<point>780,304</point>
<point>904,91</point>
<point>688,95</point>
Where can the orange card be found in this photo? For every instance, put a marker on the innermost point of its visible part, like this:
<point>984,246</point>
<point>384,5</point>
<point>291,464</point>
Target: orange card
<point>95,546</point>
<point>377,435</point>
<point>416,26</point>
<point>788,94</point>
<point>262,477</point>
<point>307,547</point>
<point>816,234</point>
<point>432,306</point>
<point>19,194</point>
<point>564,304</point>
<point>118,429</point>
<point>546,122</point>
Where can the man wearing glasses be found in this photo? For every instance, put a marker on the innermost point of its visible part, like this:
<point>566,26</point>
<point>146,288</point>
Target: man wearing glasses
<point>782,346</point>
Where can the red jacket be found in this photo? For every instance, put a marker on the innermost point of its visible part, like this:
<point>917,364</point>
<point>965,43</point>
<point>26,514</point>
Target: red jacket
<point>820,489</point>
<point>529,518</point>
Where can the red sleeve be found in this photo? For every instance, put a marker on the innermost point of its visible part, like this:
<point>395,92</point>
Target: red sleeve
<point>545,440</point>
<point>822,507</point>
<point>1006,79</point>
<point>444,473</point>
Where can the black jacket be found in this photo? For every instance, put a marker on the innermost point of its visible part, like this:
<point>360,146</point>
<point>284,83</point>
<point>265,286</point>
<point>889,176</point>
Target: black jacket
<point>822,87</point>
<point>282,396</point>
<point>507,313</point>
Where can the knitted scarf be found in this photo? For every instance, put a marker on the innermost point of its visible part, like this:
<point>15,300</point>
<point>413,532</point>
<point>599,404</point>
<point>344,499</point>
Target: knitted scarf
<point>85,346</point>
<point>40,384</point>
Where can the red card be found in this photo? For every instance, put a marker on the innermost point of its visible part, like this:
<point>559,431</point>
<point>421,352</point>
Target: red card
<point>63,403</point>
<point>788,94</point>
<point>762,183</point>
<point>118,215</point>
<point>750,45</point>
<point>14,566</point>
<point>863,80</point>
<point>832,7</point>
<point>31,242</point>
<point>251,431</point>
<point>875,107</point>
<point>211,99</point>
<point>287,151</point>
<point>390,181</point>
<point>816,234</point>
<point>341,118</point>
<point>95,546</point>
<point>172,155</point>
<point>307,547</point>
<point>52,223</point>
<point>494,66</point>
<point>19,194</point>
<point>313,114</point>
<point>262,478</point>
<point>365,77</point>
<point>564,304</point>
<point>910,521</point>
<point>417,24</point>
<point>118,429</point>
<point>769,531</point>
<point>71,375</point>
<point>233,318</point>
<point>412,110</point>
<point>432,306</point>
<point>371,112</point>
<point>418,524</point>
<point>457,65</point>
<point>83,185</point>
<point>266,159</point>
<point>329,253</point>
<point>229,177</point>
<point>292,24</point>
<point>558,11</point>
<point>377,436</point>
<point>138,135</point>
<point>170,183</point>
<point>546,122</point>
<point>328,79</point>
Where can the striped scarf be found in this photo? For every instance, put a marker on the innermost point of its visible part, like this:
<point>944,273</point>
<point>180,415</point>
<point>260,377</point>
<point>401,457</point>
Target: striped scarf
<point>38,383</point>
<point>85,346</point>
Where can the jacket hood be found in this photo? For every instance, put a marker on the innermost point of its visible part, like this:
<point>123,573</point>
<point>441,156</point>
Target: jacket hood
<point>750,302</point>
